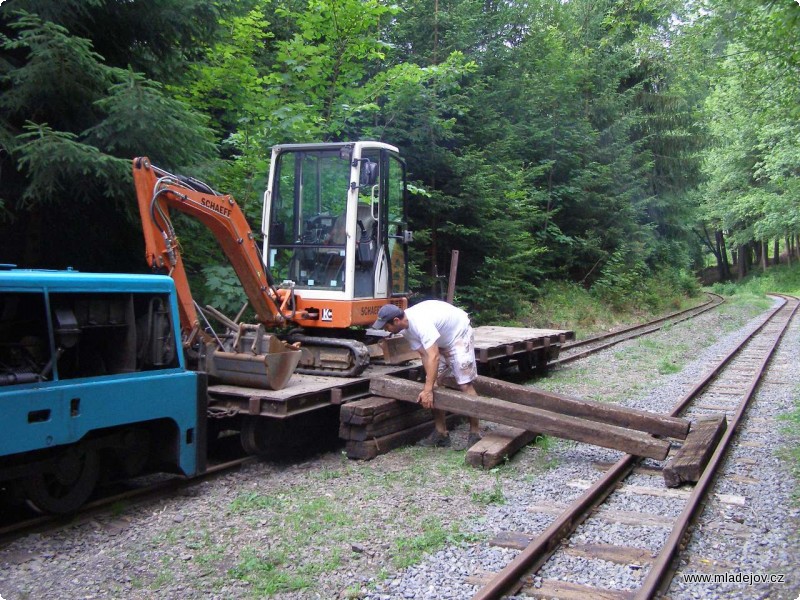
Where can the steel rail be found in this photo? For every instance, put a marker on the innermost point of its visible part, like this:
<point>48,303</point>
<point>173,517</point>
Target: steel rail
<point>8,531</point>
<point>661,566</point>
<point>508,580</point>
<point>635,331</point>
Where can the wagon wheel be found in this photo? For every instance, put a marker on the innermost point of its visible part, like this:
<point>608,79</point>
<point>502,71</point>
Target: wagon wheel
<point>261,435</point>
<point>525,364</point>
<point>65,484</point>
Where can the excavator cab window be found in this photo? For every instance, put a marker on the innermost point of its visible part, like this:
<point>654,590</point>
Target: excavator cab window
<point>312,188</point>
<point>369,173</point>
<point>396,225</point>
<point>308,219</point>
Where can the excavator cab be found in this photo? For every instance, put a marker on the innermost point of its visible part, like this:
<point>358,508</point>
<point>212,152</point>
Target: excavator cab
<point>334,228</point>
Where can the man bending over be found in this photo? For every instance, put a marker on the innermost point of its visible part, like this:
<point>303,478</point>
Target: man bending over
<point>442,335</point>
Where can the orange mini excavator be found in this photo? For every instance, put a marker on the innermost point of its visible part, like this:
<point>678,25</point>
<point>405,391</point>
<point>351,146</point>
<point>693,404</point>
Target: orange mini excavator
<point>334,251</point>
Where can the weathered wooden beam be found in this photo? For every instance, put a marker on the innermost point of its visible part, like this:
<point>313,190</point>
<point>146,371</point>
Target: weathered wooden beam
<point>566,590</point>
<point>369,449</point>
<point>526,417</point>
<point>512,539</point>
<point>691,459</point>
<point>384,427</point>
<point>372,410</point>
<point>396,350</point>
<point>622,555</point>
<point>497,445</point>
<point>629,418</point>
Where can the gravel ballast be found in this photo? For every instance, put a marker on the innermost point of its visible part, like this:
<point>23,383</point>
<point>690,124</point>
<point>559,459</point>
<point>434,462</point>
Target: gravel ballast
<point>414,523</point>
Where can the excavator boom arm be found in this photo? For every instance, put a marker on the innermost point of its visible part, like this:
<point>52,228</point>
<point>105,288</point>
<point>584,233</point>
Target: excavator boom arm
<point>157,191</point>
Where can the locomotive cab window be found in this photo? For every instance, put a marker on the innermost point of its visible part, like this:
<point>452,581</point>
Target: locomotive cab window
<point>106,334</point>
<point>25,350</point>
<point>83,335</point>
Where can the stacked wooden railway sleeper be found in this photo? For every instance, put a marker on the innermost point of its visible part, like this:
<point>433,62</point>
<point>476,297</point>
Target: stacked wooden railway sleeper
<point>376,425</point>
<point>392,418</point>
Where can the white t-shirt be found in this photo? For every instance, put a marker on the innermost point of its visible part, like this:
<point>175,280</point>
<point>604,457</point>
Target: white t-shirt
<point>434,322</point>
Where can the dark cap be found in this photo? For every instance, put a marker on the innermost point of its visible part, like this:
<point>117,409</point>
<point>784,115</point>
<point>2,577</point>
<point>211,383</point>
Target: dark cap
<point>386,314</point>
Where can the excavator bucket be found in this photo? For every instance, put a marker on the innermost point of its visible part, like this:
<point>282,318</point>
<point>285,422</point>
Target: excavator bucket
<point>270,371</point>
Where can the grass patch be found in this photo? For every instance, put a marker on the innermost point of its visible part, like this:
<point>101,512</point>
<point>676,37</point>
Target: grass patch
<point>295,523</point>
<point>544,460</point>
<point>164,577</point>
<point>410,550</point>
<point>494,495</point>
<point>254,501</point>
<point>778,279</point>
<point>668,367</point>
<point>263,571</point>
<point>565,305</point>
<point>312,516</point>
<point>328,474</point>
<point>791,452</point>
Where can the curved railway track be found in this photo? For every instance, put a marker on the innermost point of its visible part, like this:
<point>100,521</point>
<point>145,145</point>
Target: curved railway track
<point>580,348</point>
<point>726,388</point>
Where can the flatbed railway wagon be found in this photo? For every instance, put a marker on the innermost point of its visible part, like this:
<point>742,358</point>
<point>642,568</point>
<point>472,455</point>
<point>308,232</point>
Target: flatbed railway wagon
<point>94,385</point>
<point>92,382</point>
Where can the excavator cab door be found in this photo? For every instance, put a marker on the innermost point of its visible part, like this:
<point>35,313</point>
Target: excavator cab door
<point>388,212</point>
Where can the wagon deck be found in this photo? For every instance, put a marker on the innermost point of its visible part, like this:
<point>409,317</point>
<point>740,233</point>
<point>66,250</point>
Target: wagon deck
<point>494,347</point>
<point>529,348</point>
<point>303,393</point>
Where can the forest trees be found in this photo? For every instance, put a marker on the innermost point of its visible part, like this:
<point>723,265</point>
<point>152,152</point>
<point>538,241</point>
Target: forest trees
<point>75,110</point>
<point>578,140</point>
<point>752,160</point>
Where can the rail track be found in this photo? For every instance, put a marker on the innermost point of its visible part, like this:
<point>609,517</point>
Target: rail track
<point>16,526</point>
<point>162,486</point>
<point>726,388</point>
<point>571,351</point>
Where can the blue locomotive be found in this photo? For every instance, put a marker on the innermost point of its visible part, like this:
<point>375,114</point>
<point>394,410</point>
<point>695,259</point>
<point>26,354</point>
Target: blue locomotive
<point>92,380</point>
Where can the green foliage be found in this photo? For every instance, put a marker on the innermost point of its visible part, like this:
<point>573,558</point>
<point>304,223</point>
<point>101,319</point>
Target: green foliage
<point>564,305</point>
<point>575,141</point>
<point>620,278</point>
<point>57,164</point>
<point>625,283</point>
<point>138,116</point>
<point>409,550</point>
<point>751,160</point>
<point>779,279</point>
<point>61,70</point>
<point>223,289</point>
<point>71,122</point>
<point>262,570</point>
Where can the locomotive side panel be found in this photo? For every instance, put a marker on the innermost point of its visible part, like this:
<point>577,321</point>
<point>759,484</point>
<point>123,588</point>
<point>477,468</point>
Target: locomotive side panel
<point>92,380</point>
